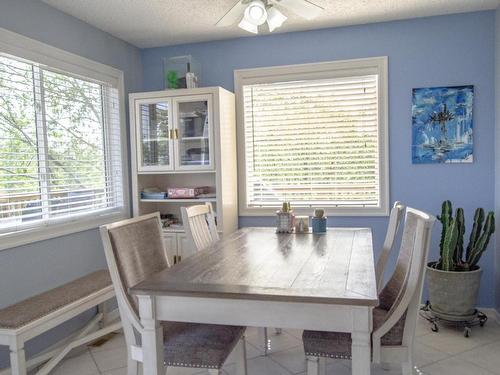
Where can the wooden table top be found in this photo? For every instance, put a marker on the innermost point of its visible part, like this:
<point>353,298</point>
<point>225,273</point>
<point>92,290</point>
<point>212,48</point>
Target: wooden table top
<point>259,264</point>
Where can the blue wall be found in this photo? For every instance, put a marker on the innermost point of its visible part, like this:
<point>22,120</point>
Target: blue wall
<point>436,51</point>
<point>34,268</point>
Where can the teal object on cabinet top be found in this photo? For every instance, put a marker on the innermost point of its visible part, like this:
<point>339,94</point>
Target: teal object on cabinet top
<point>319,224</point>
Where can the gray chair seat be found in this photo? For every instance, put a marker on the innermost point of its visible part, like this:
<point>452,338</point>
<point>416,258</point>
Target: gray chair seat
<point>199,345</point>
<point>338,344</point>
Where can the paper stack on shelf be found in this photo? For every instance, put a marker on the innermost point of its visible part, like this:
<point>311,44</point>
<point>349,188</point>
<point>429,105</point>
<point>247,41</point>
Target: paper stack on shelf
<point>153,193</point>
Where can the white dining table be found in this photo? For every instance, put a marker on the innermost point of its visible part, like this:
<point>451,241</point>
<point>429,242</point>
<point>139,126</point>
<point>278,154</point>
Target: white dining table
<point>257,277</point>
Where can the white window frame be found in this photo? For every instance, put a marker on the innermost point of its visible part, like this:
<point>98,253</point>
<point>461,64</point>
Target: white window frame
<point>32,50</point>
<point>323,70</point>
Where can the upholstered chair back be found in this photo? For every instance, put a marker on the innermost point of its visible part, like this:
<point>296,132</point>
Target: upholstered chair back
<point>396,283</point>
<point>138,250</point>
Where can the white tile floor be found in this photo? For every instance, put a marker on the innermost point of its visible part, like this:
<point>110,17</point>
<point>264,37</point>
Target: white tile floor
<point>443,353</point>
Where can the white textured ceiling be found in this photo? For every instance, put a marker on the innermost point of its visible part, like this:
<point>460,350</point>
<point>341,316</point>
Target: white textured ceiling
<point>152,23</point>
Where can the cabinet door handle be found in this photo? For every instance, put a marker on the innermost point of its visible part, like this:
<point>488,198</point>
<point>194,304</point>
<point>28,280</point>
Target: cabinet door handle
<point>171,134</point>
<point>176,132</point>
<point>179,258</point>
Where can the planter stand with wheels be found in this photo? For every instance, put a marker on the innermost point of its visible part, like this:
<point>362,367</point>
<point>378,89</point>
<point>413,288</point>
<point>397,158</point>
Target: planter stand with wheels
<point>477,319</point>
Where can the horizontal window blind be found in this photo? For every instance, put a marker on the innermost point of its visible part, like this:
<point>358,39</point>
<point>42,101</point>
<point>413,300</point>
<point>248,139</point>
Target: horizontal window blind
<point>313,143</point>
<point>60,153</point>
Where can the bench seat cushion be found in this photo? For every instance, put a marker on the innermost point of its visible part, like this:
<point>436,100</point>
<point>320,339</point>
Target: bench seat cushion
<point>199,345</point>
<point>36,307</point>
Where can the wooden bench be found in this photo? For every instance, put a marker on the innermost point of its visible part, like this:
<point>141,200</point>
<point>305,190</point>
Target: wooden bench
<point>29,318</point>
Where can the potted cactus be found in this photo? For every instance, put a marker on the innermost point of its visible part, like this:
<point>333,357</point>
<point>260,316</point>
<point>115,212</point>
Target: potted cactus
<point>454,279</point>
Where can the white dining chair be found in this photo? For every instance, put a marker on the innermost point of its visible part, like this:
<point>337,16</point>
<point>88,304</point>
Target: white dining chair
<point>395,219</point>
<point>134,251</point>
<point>199,225</point>
<point>394,320</point>
<point>201,230</point>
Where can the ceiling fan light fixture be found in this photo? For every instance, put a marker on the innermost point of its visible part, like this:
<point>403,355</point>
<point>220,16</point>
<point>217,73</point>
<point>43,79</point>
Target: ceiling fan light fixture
<point>248,26</point>
<point>275,18</point>
<point>255,13</point>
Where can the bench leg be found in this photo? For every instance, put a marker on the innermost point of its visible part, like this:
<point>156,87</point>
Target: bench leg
<point>17,360</point>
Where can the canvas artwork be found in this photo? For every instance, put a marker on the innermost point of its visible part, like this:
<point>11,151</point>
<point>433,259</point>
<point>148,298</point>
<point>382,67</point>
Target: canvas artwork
<point>442,125</point>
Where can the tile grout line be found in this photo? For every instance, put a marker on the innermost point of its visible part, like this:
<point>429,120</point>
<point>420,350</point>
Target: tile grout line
<point>93,360</point>
<point>279,351</point>
<point>279,364</point>
<point>254,347</point>
<point>291,334</point>
<point>479,345</point>
<point>475,364</point>
<point>451,357</point>
<point>456,355</point>
<point>479,366</point>
<point>448,355</point>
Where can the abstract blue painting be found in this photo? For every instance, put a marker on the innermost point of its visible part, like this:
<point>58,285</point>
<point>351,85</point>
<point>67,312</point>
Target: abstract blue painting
<point>442,125</point>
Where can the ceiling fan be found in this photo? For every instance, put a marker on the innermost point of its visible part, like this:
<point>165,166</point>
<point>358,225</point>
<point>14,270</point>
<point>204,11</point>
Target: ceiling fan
<point>253,13</point>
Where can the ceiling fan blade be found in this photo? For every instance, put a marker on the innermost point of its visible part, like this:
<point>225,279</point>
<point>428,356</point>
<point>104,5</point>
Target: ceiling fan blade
<point>303,8</point>
<point>233,15</point>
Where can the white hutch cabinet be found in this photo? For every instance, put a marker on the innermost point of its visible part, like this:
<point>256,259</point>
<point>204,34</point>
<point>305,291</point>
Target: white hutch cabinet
<point>184,138</point>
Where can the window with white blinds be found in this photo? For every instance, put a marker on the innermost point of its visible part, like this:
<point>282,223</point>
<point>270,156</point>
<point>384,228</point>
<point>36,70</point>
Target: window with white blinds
<point>60,147</point>
<point>314,142</point>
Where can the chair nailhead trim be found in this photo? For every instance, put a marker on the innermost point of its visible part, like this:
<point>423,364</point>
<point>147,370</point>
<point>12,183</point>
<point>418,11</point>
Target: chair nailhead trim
<point>177,364</point>
<point>336,356</point>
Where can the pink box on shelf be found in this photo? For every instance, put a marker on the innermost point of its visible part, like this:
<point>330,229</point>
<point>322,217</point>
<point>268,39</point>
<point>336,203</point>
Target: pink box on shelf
<point>185,192</point>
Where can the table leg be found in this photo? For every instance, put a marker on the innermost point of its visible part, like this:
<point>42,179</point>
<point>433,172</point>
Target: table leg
<point>361,341</point>
<point>361,353</point>
<point>152,337</point>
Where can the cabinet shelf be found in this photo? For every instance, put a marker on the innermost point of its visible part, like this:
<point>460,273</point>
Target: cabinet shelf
<point>180,200</point>
<point>201,138</point>
<point>189,116</point>
<point>158,139</point>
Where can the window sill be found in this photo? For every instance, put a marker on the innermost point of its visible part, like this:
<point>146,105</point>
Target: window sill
<point>41,233</point>
<point>329,211</point>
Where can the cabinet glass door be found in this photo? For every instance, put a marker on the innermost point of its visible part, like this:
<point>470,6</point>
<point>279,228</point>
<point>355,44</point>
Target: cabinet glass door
<point>153,138</point>
<point>193,133</point>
